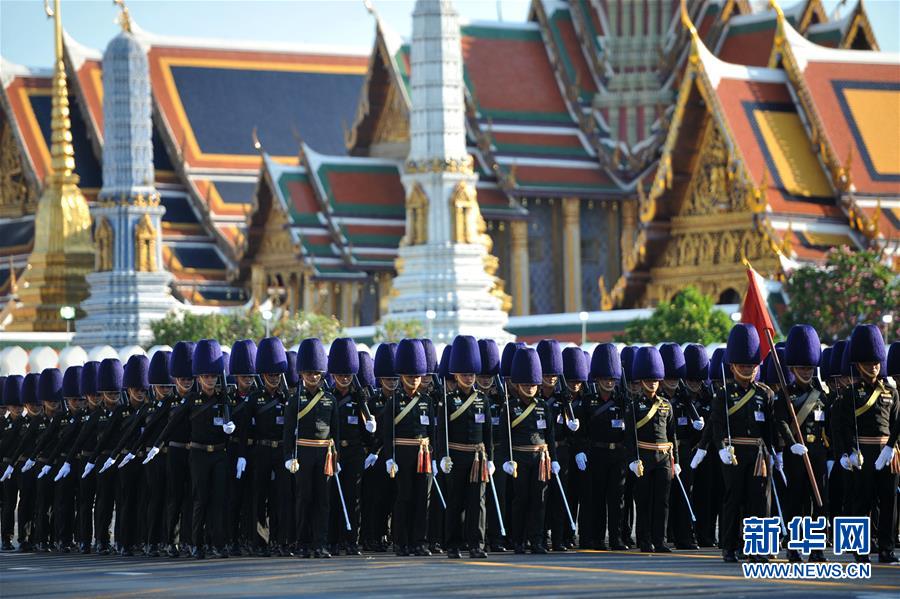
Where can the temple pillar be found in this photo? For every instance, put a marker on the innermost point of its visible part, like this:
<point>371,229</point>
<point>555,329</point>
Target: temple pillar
<point>519,268</point>
<point>571,254</point>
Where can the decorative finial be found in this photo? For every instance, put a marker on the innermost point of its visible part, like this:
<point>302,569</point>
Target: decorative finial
<point>777,8</point>
<point>686,19</point>
<point>369,7</point>
<point>256,143</point>
<point>124,18</point>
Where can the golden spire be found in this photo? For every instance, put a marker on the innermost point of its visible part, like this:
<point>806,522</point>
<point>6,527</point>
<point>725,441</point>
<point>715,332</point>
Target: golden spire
<point>124,16</point>
<point>62,154</point>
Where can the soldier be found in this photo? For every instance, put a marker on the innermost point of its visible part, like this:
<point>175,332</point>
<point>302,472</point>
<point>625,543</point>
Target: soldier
<point>601,453</point>
<point>650,440</point>
<point>34,425</point>
<point>688,426</point>
<point>838,502</point>
<point>79,452</point>
<point>50,396</point>
<point>743,435</point>
<point>487,384</point>
<point>273,491</point>
<point>355,423</point>
<point>209,421</point>
<point>866,427</point>
<point>533,451</point>
<point>13,428</point>
<point>310,435</point>
<point>436,383</point>
<point>570,390</point>
<point>707,489</point>
<point>802,355</point>
<point>408,426</point>
<point>242,367</point>
<point>379,487</point>
<point>466,442</point>
<point>153,420</point>
<point>65,493</point>
<point>180,503</point>
<point>630,389</point>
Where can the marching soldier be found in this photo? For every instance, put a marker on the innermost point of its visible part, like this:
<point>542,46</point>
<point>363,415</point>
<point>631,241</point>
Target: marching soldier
<point>533,459</point>
<point>209,422</point>
<point>33,427</point>
<point>802,353</point>
<point>468,451</point>
<point>309,438</point>
<point>379,487</point>
<point>408,426</point>
<point>65,493</point>
<point>436,384</point>
<point>743,435</point>
<point>50,396</point>
<point>688,426</point>
<point>563,406</point>
<point>487,384</point>
<point>272,488</point>
<point>355,423</point>
<point>601,453</point>
<point>650,440</point>
<point>630,389</point>
<point>242,367</point>
<point>866,427</point>
<point>838,500</point>
<point>13,428</point>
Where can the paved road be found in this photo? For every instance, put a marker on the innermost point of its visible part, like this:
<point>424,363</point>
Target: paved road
<point>586,573</point>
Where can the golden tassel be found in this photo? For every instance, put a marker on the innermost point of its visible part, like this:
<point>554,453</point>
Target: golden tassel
<point>760,468</point>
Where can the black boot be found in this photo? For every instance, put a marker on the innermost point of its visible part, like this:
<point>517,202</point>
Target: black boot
<point>887,556</point>
<point>422,551</point>
<point>477,553</point>
<point>729,555</point>
<point>454,553</point>
<point>817,556</point>
<point>6,546</point>
<point>793,556</point>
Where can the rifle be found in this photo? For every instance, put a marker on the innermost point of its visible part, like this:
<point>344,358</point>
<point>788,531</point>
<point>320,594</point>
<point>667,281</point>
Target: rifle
<point>366,394</point>
<point>562,388</point>
<point>730,447</point>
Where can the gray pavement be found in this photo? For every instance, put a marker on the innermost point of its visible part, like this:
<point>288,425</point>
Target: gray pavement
<point>585,573</point>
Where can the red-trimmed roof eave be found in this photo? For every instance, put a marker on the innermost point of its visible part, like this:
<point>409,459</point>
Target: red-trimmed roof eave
<point>88,87</point>
<point>27,160</point>
<point>29,134</point>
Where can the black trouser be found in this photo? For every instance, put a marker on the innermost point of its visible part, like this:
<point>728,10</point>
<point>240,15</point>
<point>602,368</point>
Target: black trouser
<point>651,492</point>
<point>155,477</point>
<point>180,505</point>
<point>529,500</point>
<point>799,500</point>
<point>10,488</point>
<point>835,491</point>
<point>208,472</point>
<point>557,518</point>
<point>602,496</point>
<point>43,505</point>
<point>26,510</point>
<point>872,487</point>
<point>494,535</point>
<point>107,489</point>
<point>274,497</point>
<point>352,459</point>
<point>131,506</point>
<point>628,510</point>
<point>378,490</point>
<point>87,494</point>
<point>465,504</point>
<point>707,494</point>
<point>234,495</point>
<point>311,501</point>
<point>65,498</point>
<point>681,528</point>
<point>410,516</point>
<point>745,495</point>
<point>436,511</point>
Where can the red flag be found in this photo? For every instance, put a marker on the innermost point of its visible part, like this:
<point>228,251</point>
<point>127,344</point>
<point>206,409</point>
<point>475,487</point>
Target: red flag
<point>756,312</point>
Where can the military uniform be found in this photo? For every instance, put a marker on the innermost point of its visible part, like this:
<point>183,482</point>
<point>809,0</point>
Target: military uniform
<point>13,428</point>
<point>378,488</point>
<point>153,420</point>
<point>37,424</point>
<point>685,414</point>
<point>272,489</point>
<point>352,454</point>
<point>708,488</point>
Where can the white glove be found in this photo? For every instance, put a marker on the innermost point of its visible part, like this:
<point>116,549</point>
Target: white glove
<point>884,458</point>
<point>633,466</point>
<point>338,468</point>
<point>87,469</point>
<point>391,466</point>
<point>128,457</point>
<point>846,464</point>
<point>698,424</point>
<point>573,424</point>
<point>241,466</point>
<point>581,461</point>
<point>725,456</point>
<point>151,454</point>
<point>29,464</point>
<point>677,469</point>
<point>370,460</point>
<point>228,427</point>
<point>491,468</point>
<point>779,461</point>
<point>434,467</point>
<point>7,473</point>
<point>829,464</point>
<point>799,449</point>
<point>554,467</point>
<point>446,464</point>
<point>509,467</point>
<point>107,464</point>
<point>698,457</point>
<point>292,466</point>
<point>371,425</point>
<point>63,472</point>
<point>43,472</point>
<point>854,460</point>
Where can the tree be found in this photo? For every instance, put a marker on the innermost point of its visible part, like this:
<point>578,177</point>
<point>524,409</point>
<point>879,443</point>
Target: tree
<point>393,330</point>
<point>852,287</point>
<point>229,327</point>
<point>689,318</point>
